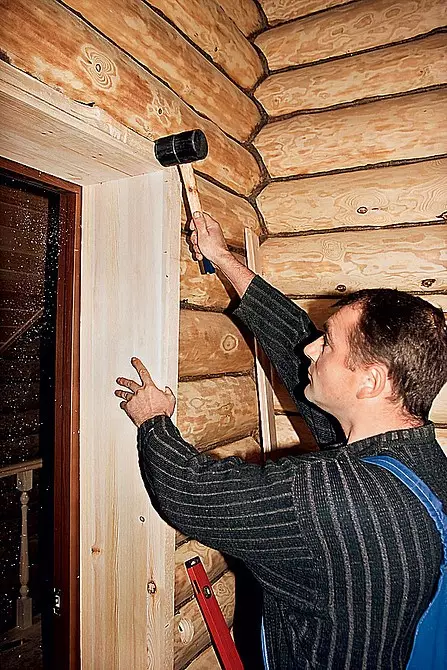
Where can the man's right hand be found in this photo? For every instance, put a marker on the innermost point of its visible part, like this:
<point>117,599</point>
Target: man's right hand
<point>207,238</point>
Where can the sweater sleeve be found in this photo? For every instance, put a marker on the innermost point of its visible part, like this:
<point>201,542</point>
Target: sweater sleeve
<point>242,509</point>
<point>283,329</point>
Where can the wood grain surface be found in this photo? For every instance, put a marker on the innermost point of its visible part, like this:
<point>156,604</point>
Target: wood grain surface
<point>213,562</point>
<point>278,11</point>
<point>244,13</point>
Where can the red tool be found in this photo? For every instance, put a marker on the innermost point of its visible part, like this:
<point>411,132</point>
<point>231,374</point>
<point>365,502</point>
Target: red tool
<point>214,619</point>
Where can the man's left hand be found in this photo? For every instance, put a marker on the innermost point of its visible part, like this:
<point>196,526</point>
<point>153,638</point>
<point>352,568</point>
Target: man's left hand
<point>143,402</point>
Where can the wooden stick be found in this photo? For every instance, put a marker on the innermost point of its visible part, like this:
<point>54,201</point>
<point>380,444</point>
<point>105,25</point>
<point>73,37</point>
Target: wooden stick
<point>192,193</point>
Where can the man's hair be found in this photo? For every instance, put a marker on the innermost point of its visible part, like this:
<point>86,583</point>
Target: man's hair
<point>408,335</point>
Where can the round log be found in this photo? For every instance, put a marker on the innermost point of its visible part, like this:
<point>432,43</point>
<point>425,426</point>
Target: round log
<point>344,30</point>
<point>244,13</point>
<point>248,449</point>
<point>414,193</point>
<point>213,562</point>
<point>278,11</point>
<point>211,411</point>
<point>411,260</point>
<point>386,130</point>
<point>207,660</point>
<point>390,71</point>
<point>211,344</point>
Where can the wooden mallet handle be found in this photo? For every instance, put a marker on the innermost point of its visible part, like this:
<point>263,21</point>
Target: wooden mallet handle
<point>192,193</point>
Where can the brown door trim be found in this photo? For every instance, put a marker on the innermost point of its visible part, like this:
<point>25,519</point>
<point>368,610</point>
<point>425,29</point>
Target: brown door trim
<point>66,446</point>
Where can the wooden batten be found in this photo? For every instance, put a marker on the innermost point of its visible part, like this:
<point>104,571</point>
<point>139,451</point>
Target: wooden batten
<point>232,212</point>
<point>397,129</point>
<point>397,69</point>
<point>292,433</point>
<point>215,410</point>
<point>210,291</point>
<point>211,344</point>
<point>414,193</point>
<point>278,11</point>
<point>209,27</point>
<point>339,262</point>
<point>248,449</point>
<point>349,29</point>
<point>153,42</point>
<point>67,54</point>
<point>190,634</point>
<point>244,13</point>
<point>213,562</point>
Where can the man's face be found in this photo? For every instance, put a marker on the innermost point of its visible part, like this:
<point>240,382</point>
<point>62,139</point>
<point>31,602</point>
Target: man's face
<point>332,385</point>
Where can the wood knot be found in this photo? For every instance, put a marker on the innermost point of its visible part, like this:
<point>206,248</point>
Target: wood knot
<point>186,630</point>
<point>229,343</point>
<point>96,550</point>
<point>426,283</point>
<point>341,288</point>
<point>100,68</point>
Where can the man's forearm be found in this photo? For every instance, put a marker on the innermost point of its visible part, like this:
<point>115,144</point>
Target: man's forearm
<point>236,273</point>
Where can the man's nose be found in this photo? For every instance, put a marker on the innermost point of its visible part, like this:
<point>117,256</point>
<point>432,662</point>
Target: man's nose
<point>313,350</point>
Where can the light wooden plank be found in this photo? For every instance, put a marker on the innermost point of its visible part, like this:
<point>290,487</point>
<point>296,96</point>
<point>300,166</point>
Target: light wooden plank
<point>278,11</point>
<point>167,54</point>
<point>211,291</point>
<point>244,13</point>
<point>248,449</point>
<point>262,363</point>
<point>397,258</point>
<point>213,562</point>
<point>441,436</point>
<point>387,130</point>
<point>438,412</point>
<point>64,52</point>
<point>210,343</point>
<point>124,543</point>
<point>349,29</point>
<point>209,27</point>
<point>191,634</point>
<point>215,410</point>
<point>397,69</point>
<point>414,193</point>
<point>233,213</point>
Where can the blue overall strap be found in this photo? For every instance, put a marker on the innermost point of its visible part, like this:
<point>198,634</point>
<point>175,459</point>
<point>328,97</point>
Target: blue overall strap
<point>430,640</point>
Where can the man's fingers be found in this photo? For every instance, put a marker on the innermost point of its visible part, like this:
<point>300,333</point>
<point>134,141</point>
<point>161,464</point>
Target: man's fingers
<point>143,372</point>
<point>128,383</point>
<point>126,395</point>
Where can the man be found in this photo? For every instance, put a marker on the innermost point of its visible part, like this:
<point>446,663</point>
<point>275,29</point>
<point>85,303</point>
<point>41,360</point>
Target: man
<point>347,557</point>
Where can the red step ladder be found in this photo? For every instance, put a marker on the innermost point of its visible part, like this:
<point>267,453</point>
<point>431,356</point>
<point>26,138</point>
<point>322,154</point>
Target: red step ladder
<point>214,619</point>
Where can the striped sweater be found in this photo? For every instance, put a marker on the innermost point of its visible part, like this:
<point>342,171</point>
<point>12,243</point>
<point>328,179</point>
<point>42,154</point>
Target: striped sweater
<point>348,559</point>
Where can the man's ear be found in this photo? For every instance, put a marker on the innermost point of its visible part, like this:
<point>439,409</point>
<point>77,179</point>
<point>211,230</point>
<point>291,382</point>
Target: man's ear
<point>373,382</point>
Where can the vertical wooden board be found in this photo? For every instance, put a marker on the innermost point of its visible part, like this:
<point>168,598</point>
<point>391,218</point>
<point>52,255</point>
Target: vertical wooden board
<point>168,55</point>
<point>397,258</point>
<point>244,13</point>
<point>348,29</point>
<point>278,11</point>
<point>210,291</point>
<point>124,543</point>
<point>191,635</point>
<point>387,130</point>
<point>211,411</point>
<point>390,71</point>
<point>293,433</point>
<point>65,53</point>
<point>210,343</point>
<point>414,193</point>
<point>208,26</point>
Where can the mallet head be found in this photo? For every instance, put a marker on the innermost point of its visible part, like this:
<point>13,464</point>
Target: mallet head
<point>186,147</point>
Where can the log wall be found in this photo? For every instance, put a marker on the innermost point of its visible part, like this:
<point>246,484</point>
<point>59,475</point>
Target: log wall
<point>355,149</point>
<point>160,68</point>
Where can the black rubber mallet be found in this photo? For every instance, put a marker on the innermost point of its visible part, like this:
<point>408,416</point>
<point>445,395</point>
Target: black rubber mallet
<point>181,150</point>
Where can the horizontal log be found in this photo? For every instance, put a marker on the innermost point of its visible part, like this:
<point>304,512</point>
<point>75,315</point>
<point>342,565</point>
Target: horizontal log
<point>30,240</point>
<point>386,130</point>
<point>292,433</point>
<point>438,412</point>
<point>207,660</point>
<point>248,449</point>
<point>278,11</point>
<point>215,410</point>
<point>322,264</point>
<point>64,52</point>
<point>213,562</point>
<point>190,633</point>
<point>348,29</point>
<point>208,26</point>
<point>233,213</point>
<point>139,31</point>
<point>396,69</point>
<point>210,343</point>
<point>244,13</point>
<point>213,291</point>
<point>413,193</point>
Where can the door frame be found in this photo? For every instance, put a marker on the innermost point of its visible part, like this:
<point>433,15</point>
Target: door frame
<point>83,147</point>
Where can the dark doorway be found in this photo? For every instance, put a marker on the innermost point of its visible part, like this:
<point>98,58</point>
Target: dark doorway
<point>39,387</point>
